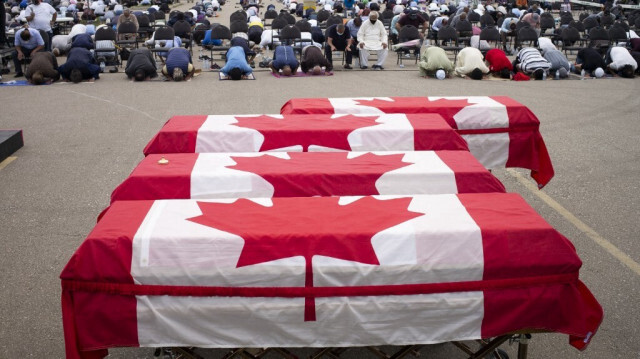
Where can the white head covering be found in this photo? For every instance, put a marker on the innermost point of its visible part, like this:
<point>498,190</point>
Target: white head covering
<point>398,9</point>
<point>433,7</point>
<point>502,9</point>
<point>599,72</point>
<point>440,74</point>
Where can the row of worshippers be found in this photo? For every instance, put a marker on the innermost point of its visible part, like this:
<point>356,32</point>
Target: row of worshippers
<point>530,63</point>
<point>82,65</point>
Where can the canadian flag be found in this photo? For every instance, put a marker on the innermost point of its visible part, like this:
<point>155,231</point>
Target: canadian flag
<point>500,131</point>
<point>305,174</point>
<point>321,271</point>
<point>305,133</point>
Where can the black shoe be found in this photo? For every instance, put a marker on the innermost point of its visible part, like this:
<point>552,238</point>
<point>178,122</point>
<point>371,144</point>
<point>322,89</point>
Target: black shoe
<point>348,67</point>
<point>375,67</point>
<point>18,74</point>
<point>363,67</point>
<point>113,70</point>
<point>380,67</point>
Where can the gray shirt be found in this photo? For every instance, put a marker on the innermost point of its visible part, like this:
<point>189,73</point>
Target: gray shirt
<point>557,60</point>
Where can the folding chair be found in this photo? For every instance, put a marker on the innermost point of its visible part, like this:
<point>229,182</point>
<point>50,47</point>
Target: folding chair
<point>473,17</point>
<point>159,19</point>
<point>487,20</point>
<point>448,35</point>
<point>238,15</point>
<point>219,32</point>
<point>334,20</point>
<point>291,35</point>
<point>606,21</point>
<point>127,35</point>
<point>199,31</point>
<point>527,36</point>
<point>583,15</point>
<point>599,39</point>
<point>163,33</point>
<point>566,19</point>
<point>465,31</point>
<point>182,29</point>
<point>290,19</point>
<point>546,22</point>
<point>589,23</point>
<point>269,16</point>
<point>617,35</point>
<point>303,25</point>
<point>239,26</point>
<point>492,36</point>
<point>408,33</point>
<point>570,37</point>
<point>144,27</point>
<point>105,46</point>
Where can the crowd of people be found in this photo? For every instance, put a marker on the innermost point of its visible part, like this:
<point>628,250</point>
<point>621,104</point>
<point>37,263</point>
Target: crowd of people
<point>353,29</point>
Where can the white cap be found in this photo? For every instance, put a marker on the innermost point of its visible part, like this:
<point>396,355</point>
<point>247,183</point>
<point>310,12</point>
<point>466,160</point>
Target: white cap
<point>599,72</point>
<point>440,74</point>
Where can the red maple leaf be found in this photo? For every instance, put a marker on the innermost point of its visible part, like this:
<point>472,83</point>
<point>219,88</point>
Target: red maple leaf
<point>321,173</point>
<point>306,227</point>
<point>444,107</point>
<point>306,130</point>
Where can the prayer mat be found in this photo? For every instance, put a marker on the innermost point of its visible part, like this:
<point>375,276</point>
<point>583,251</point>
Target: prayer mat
<point>301,74</point>
<point>16,83</point>
<point>223,77</point>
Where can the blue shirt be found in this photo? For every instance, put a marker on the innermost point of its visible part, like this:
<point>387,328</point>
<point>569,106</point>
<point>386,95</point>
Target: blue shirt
<point>236,58</point>
<point>178,57</point>
<point>284,55</point>
<point>353,29</point>
<point>209,41</point>
<point>82,40</point>
<point>507,23</point>
<point>34,41</point>
<point>80,58</point>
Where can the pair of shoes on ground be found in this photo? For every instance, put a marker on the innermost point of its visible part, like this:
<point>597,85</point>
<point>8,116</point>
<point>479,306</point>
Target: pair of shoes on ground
<point>215,66</point>
<point>348,67</point>
<point>377,67</point>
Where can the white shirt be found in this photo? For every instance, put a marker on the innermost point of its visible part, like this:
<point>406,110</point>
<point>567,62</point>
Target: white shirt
<point>267,37</point>
<point>545,43</point>
<point>42,20</point>
<point>470,58</point>
<point>372,35</point>
<point>621,57</point>
<point>76,30</point>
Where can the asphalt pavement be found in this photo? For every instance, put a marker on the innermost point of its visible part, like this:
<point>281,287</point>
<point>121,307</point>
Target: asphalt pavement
<point>82,140</point>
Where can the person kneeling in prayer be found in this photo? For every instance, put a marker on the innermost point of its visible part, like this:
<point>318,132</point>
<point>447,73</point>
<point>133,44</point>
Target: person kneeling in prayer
<point>471,63</point>
<point>237,67</point>
<point>313,60</point>
<point>178,65</point>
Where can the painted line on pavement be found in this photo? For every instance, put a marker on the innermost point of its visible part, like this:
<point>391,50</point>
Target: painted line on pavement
<point>588,231</point>
<point>113,102</point>
<point>6,162</point>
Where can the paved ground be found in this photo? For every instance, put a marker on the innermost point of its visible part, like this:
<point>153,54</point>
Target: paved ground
<point>83,140</point>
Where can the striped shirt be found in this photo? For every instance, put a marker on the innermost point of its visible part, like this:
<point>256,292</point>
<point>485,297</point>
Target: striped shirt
<point>530,60</point>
